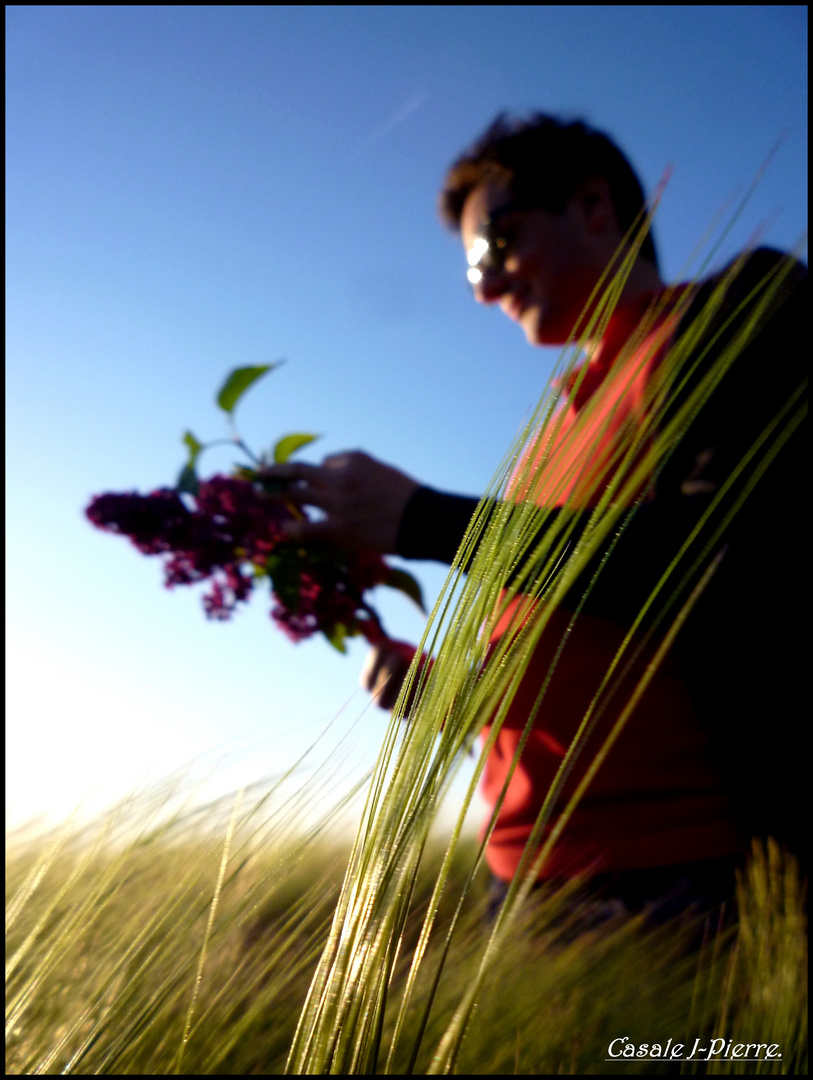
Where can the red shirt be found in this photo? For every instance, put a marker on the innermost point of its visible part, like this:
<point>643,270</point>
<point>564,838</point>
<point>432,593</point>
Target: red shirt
<point>656,799</point>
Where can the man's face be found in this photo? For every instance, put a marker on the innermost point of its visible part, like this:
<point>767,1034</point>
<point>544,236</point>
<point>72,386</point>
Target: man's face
<point>551,261</point>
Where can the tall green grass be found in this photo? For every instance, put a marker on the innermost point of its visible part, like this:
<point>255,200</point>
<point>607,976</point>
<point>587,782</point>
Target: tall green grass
<point>168,942</point>
<point>119,960</point>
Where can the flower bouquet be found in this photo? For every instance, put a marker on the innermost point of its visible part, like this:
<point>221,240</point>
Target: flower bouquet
<point>228,530</point>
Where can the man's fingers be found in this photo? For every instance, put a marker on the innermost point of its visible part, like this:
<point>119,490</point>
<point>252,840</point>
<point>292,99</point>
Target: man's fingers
<point>369,672</point>
<point>317,480</point>
<point>363,499</point>
<point>318,475</point>
<point>304,530</point>
<point>384,671</point>
<point>292,470</point>
<point>304,485</point>
<point>342,460</point>
<point>387,696</point>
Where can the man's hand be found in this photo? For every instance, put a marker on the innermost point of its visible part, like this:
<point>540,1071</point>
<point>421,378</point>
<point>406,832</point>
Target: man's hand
<point>384,671</point>
<point>363,500</point>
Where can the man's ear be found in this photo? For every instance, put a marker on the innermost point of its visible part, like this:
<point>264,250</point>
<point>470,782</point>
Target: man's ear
<point>596,204</point>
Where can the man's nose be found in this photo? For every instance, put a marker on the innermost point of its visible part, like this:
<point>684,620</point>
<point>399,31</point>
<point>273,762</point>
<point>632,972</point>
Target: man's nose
<point>492,285</point>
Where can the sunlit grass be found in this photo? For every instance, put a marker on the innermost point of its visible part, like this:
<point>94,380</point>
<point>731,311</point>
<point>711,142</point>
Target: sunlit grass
<point>106,965</point>
<point>105,947</point>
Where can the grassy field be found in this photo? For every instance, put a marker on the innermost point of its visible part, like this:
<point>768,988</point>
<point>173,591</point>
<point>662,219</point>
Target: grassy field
<point>189,946</point>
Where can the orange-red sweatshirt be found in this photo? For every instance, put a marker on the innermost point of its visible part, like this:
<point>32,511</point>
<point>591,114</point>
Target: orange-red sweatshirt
<point>656,799</point>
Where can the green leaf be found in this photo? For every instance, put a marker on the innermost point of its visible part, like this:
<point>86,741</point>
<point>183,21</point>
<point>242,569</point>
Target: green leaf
<point>193,446</point>
<point>405,583</point>
<point>272,487</point>
<point>289,445</point>
<point>284,567</point>
<point>238,381</point>
<point>336,636</point>
<point>244,472</point>
<point>188,480</point>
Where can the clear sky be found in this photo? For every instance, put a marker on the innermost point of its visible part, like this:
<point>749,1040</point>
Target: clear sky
<point>196,188</point>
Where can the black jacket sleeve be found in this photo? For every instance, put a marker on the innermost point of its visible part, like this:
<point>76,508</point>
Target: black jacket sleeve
<point>433,524</point>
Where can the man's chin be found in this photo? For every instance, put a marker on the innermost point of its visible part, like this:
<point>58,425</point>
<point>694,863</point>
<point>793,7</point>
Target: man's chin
<point>540,331</point>
<point>530,321</point>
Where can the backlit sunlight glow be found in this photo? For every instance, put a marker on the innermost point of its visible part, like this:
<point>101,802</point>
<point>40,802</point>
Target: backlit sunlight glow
<point>477,250</point>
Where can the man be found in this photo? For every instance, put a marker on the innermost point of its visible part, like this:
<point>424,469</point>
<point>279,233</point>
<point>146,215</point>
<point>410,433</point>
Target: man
<point>710,757</point>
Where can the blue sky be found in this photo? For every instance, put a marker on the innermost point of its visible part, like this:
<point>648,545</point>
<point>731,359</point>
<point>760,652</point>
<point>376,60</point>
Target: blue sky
<point>191,189</point>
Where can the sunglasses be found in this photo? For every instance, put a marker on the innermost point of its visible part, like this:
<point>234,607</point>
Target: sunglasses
<point>490,244</point>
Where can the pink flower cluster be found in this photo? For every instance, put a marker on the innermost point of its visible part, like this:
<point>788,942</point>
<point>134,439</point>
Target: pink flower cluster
<point>233,536</point>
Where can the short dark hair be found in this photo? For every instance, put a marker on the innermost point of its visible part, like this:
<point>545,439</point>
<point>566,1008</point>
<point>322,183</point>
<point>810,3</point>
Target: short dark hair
<point>544,159</point>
